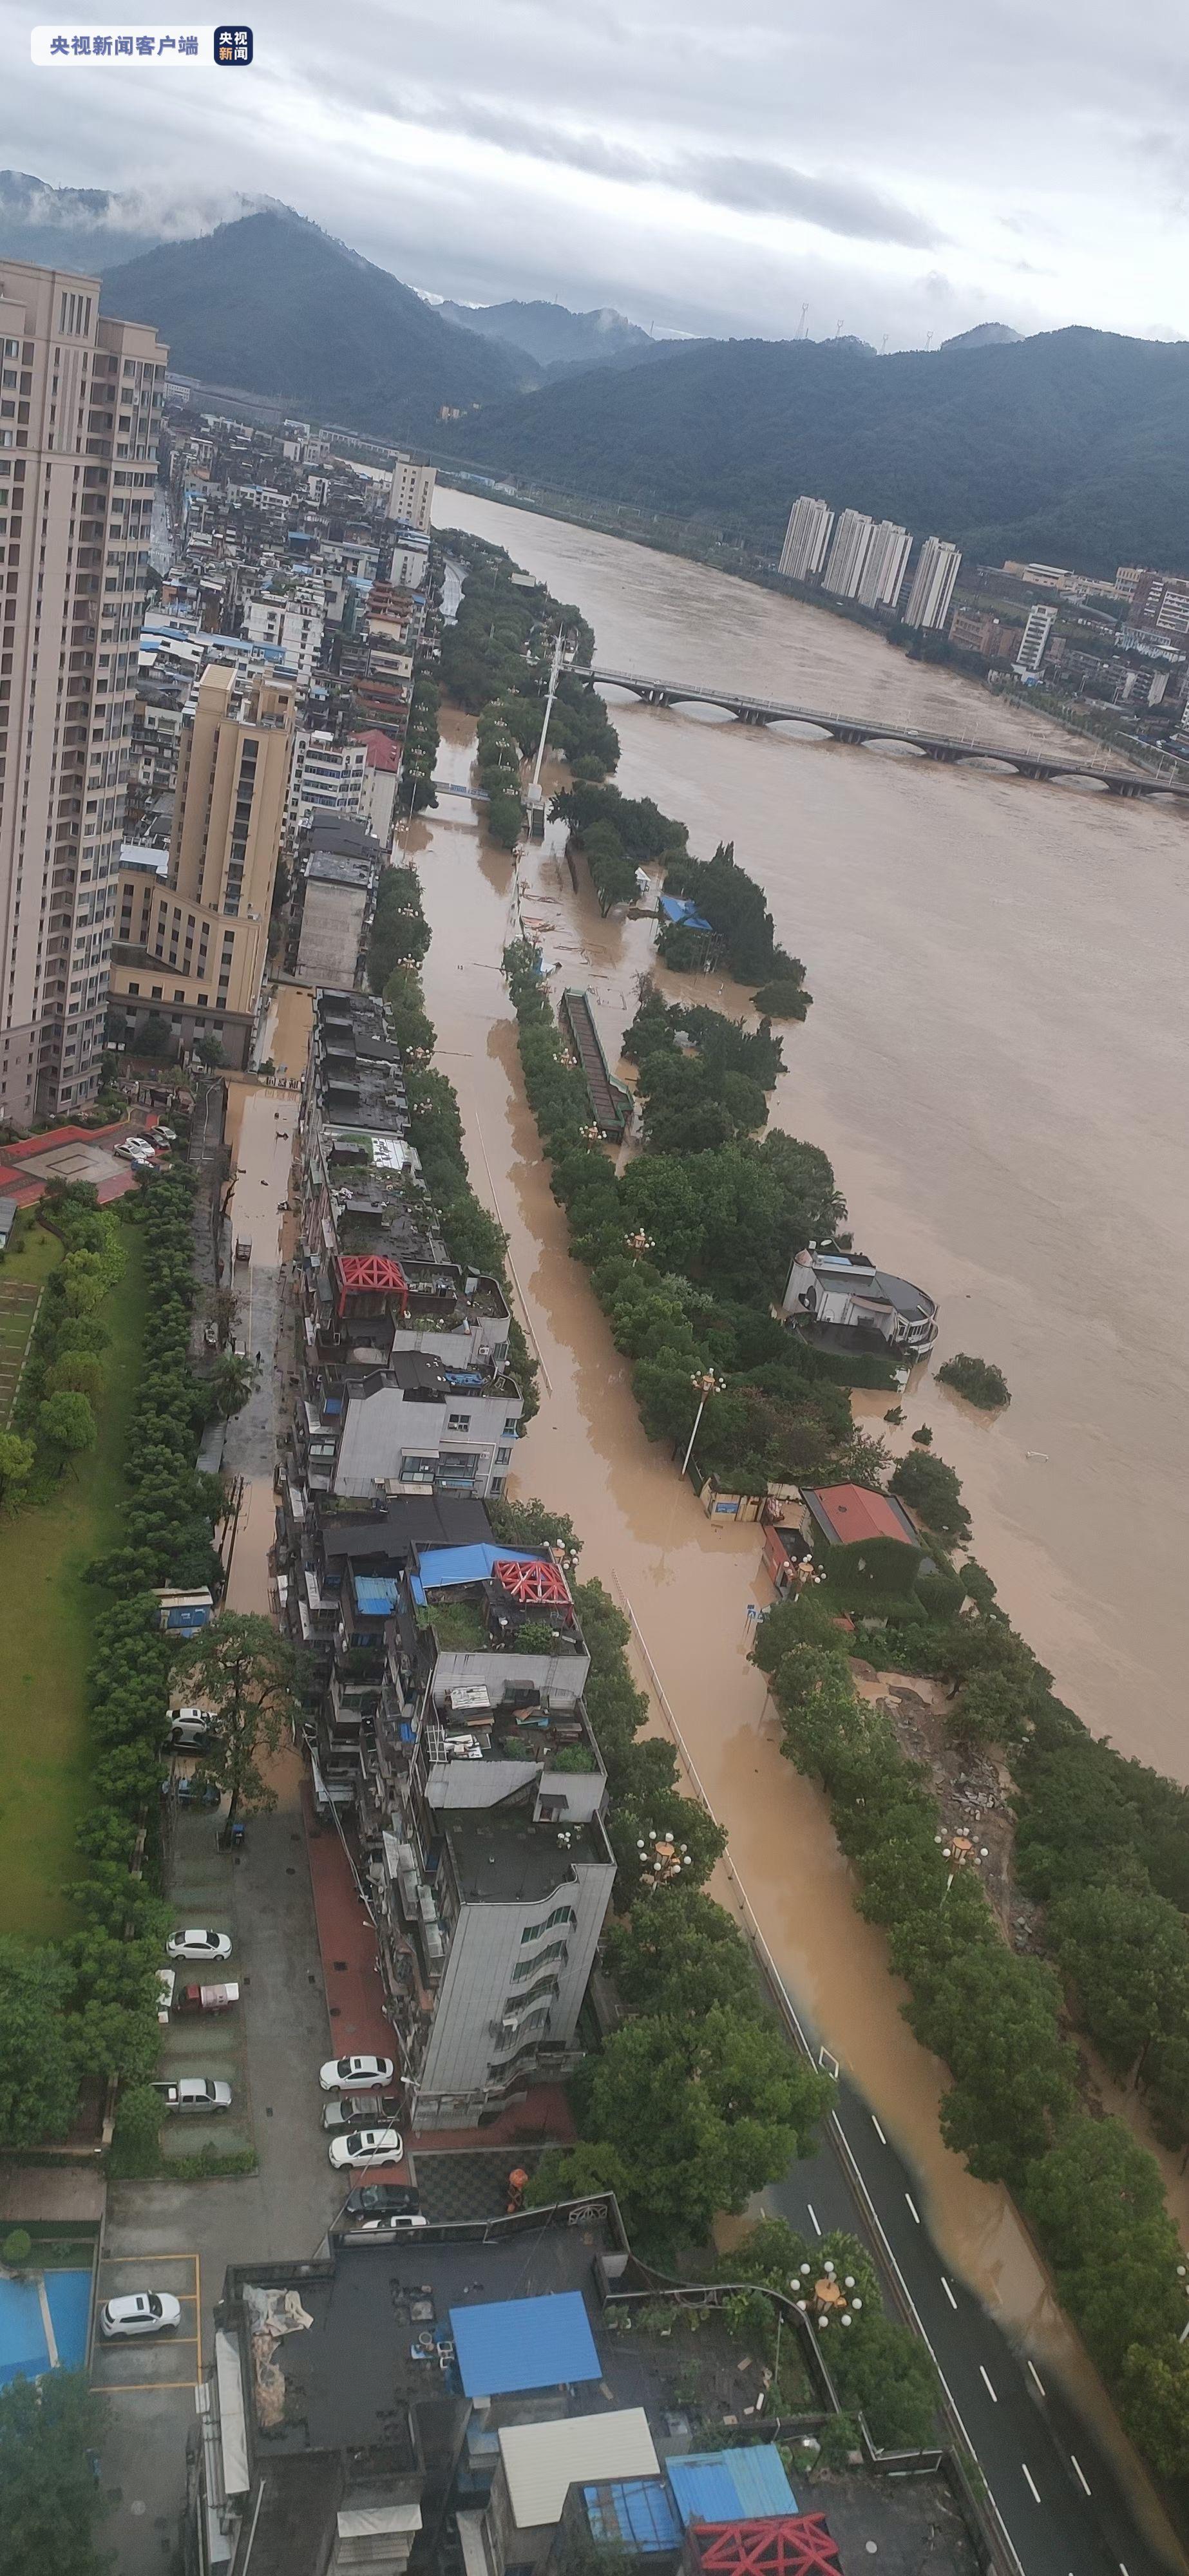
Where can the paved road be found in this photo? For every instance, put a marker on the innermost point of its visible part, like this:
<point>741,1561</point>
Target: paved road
<point>1057,2494</point>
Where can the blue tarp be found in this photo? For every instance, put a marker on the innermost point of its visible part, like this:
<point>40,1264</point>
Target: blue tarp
<point>375,1595</point>
<point>524,2343</point>
<point>731,2486</point>
<point>635,2513</point>
<point>439,1566</point>
<point>678,908</point>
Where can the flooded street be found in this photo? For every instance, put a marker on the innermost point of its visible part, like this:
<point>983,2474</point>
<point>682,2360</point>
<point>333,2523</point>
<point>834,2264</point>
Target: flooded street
<point>995,1063</point>
<point>688,1582</point>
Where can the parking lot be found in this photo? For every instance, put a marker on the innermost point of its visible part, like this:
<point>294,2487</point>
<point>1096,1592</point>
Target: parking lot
<point>203,1891</point>
<point>126,2368</point>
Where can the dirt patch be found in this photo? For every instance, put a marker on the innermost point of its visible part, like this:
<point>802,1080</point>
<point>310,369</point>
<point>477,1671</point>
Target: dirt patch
<point>973,1791</point>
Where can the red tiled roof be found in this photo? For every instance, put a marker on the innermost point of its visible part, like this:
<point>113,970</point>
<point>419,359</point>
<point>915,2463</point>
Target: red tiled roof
<point>854,1513</point>
<point>381,753</point>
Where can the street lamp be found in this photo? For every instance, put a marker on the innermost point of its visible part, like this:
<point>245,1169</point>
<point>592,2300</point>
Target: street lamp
<point>662,1859</point>
<point>638,1244</point>
<point>705,1382</point>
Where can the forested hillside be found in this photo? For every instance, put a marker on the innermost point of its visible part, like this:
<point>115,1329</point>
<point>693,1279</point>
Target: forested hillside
<point>1072,447</point>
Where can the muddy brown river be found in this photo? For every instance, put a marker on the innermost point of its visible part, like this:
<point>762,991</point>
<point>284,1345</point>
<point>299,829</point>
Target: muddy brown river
<point>992,1061</point>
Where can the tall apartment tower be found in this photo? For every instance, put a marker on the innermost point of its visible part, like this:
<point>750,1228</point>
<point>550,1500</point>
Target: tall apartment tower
<point>883,571</point>
<point>1034,639</point>
<point>80,409</point>
<point>192,946</point>
<point>410,495</point>
<point>848,554</point>
<point>806,539</point>
<point>933,583</point>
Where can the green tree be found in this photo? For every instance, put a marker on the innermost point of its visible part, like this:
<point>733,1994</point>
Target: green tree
<point>66,1425</point>
<point>678,1954</point>
<point>1155,2403</point>
<point>931,1488</point>
<point>49,2500</point>
<point>38,2081</point>
<point>16,1467</point>
<point>527,1523</point>
<point>1125,1950</point>
<point>83,1282</point>
<point>702,2117</point>
<point>79,1372</point>
<point>989,1712</point>
<point>210,1052</point>
<point>246,1676</point>
<point>231,1384</point>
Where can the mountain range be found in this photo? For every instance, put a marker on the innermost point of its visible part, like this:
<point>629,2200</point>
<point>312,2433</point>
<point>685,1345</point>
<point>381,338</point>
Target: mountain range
<point>550,335</point>
<point>1070,446</point>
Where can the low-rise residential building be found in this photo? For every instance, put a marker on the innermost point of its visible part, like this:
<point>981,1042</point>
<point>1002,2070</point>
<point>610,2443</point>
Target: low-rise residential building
<point>294,623</point>
<point>327,777</point>
<point>488,1793</point>
<point>843,1295</point>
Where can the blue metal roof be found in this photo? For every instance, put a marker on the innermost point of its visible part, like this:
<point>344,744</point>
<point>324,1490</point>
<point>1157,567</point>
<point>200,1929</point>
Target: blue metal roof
<point>679,908</point>
<point>524,2343</point>
<point>375,1595</point>
<point>439,1566</point>
<point>731,2486</point>
<point>635,2512</point>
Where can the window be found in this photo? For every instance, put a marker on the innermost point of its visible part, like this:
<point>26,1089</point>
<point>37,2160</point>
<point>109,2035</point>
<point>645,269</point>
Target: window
<point>417,1471</point>
<point>503,1457</point>
<point>511,1425</point>
<point>533,1967</point>
<point>560,1914</point>
<point>458,1422</point>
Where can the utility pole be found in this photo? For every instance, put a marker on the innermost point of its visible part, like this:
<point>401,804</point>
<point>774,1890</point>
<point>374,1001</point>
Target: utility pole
<point>555,667</point>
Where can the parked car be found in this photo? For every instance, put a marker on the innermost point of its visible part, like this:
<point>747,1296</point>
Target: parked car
<point>359,2074</point>
<point>196,1943</point>
<point>140,2312</point>
<point>382,2200</point>
<point>195,2093</point>
<point>189,1730</point>
<point>127,1151</point>
<point>346,2110</point>
<point>166,1135</point>
<point>368,2147</point>
<point>207,1999</point>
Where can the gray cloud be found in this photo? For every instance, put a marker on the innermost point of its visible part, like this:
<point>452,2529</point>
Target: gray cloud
<point>841,206</point>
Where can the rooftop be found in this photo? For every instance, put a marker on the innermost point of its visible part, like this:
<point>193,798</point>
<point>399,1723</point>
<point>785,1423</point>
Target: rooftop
<point>500,1856</point>
<point>846,1513</point>
<point>377,2317</point>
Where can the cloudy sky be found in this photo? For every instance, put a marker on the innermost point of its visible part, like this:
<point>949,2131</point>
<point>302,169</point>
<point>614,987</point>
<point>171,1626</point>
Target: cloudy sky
<point>901,171</point>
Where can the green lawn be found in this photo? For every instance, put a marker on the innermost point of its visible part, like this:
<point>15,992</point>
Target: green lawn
<point>46,1617</point>
<point>23,1274</point>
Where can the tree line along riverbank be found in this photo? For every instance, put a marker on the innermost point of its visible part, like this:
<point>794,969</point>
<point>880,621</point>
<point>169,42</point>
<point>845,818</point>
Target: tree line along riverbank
<point>697,2099</point>
<point>684,1253</point>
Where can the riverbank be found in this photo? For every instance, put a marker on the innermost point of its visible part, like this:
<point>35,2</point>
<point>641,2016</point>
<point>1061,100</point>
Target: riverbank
<point>689,1583</point>
<point>990,1064</point>
<point>663,535</point>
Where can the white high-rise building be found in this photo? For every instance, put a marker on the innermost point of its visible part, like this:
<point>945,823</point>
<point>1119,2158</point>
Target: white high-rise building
<point>848,554</point>
<point>1041,622</point>
<point>410,495</point>
<point>295,624</point>
<point>883,572</point>
<point>933,583</point>
<point>79,422</point>
<point>806,539</point>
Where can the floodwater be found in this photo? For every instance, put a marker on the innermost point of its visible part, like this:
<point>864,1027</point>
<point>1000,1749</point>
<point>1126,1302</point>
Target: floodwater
<point>688,1582</point>
<point>995,1063</point>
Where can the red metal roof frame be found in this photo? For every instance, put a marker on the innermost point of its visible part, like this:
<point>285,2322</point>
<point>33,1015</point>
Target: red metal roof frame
<point>533,1582</point>
<point>369,1274</point>
<point>787,2545</point>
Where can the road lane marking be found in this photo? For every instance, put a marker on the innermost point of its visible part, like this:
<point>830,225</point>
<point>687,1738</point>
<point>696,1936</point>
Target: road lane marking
<point>1037,2377</point>
<point>987,2385</point>
<point>912,2205</point>
<point>948,2292</point>
<point>878,2131</point>
<point>144,2387</point>
<point>1031,2481</point>
<point>1083,2480</point>
<point>814,2216</point>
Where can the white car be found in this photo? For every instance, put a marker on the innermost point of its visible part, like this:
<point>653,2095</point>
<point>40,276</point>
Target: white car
<point>192,1943</point>
<point>368,2147</point>
<point>356,2074</point>
<point>141,2312</point>
<point>189,1730</point>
